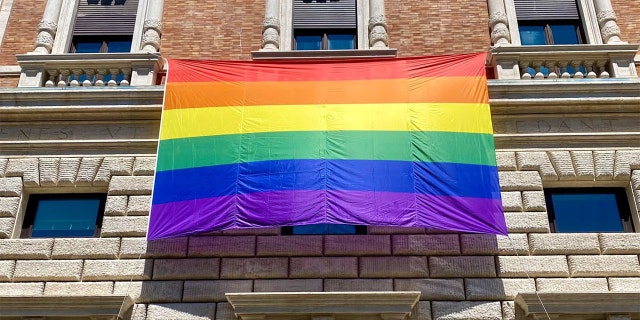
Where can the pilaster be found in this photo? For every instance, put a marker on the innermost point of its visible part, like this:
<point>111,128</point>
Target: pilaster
<point>48,27</point>
<point>378,37</point>
<point>498,23</point>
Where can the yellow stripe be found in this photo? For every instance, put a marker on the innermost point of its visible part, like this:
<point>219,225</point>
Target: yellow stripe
<point>450,117</point>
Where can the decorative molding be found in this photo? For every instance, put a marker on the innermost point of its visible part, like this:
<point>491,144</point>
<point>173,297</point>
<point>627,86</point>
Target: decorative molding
<point>324,54</point>
<point>105,307</point>
<point>528,305</point>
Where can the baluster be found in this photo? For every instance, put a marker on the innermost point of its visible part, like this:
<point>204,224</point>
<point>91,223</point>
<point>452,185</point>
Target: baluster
<point>576,66</point>
<point>524,66</point>
<point>127,77</point>
<point>601,65</point>
<point>88,81</point>
<point>114,74</point>
<point>52,78</point>
<point>562,65</point>
<point>100,73</point>
<point>76,75</point>
<point>551,65</point>
<point>539,75</point>
<point>64,77</point>
<point>588,65</point>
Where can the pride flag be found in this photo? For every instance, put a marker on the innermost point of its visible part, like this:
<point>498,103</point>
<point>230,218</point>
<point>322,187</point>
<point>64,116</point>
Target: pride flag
<point>388,142</point>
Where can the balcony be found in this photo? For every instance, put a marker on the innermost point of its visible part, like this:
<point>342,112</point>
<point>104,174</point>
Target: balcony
<point>560,62</point>
<point>88,70</point>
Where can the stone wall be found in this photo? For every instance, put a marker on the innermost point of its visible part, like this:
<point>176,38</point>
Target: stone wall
<point>461,276</point>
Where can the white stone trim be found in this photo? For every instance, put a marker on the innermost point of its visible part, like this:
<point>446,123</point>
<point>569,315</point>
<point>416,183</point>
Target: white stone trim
<point>5,10</point>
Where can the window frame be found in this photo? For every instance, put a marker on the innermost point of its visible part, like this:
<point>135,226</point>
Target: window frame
<point>324,34</point>
<point>548,33</point>
<point>26,229</point>
<point>622,201</point>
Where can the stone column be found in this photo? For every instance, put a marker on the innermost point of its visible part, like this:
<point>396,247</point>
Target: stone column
<point>152,29</point>
<point>378,38</point>
<point>498,23</point>
<point>271,26</point>
<point>607,20</point>
<point>48,27</point>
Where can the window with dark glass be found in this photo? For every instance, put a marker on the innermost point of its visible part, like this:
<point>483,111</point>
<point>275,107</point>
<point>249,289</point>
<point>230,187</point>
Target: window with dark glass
<point>63,215</point>
<point>324,228</point>
<point>588,210</point>
<point>324,24</point>
<point>549,22</point>
<point>104,26</point>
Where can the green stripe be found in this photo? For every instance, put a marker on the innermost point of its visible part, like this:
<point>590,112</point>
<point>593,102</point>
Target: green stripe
<point>430,146</point>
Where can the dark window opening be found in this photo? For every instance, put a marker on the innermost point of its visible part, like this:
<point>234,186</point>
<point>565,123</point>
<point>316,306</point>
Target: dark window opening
<point>101,44</point>
<point>533,32</point>
<point>63,215</point>
<point>588,210</point>
<point>309,39</point>
<point>324,228</point>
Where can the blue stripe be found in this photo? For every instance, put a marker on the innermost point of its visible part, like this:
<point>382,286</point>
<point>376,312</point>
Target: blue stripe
<point>432,178</point>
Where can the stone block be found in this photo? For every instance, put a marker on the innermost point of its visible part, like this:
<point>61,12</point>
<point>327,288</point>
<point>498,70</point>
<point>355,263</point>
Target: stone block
<point>394,230</point>
<point>303,245</point>
<point>564,243</point>
<point>604,266</point>
<point>254,268</point>
<point>393,267</point>
<point>625,284</point>
<point>25,248</point>
<point>288,285</point>
<point>13,289</point>
<point>624,161</point>
<point>214,290</point>
<point>224,246</point>
<point>224,311</point>
<point>134,226</point>
<point>538,161</point>
<point>27,168</point>
<point>3,166</point>
<point>520,180</point>
<point>489,244</point>
<point>528,222</point>
<point>135,185</point>
<point>422,311</point>
<point>133,248</point>
<point>511,200</point>
<point>532,266</point>
<point>150,291</point>
<point>6,227</point>
<point>572,285</point>
<point>68,171</point>
<point>9,206</point>
<point>506,160</point>
<point>458,267</point>
<point>78,288</point>
<point>113,166</point>
<point>342,285</point>
<point>6,269</point>
<point>144,166</point>
<point>324,267</point>
<point>115,206</point>
<point>139,312</point>
<point>85,248</point>
<point>497,289</point>
<point>584,165</point>
<point>139,206</point>
<point>466,310</point>
<point>10,187</point>
<point>534,201</point>
<point>182,311</point>
<point>433,289</point>
<point>87,171</point>
<point>426,244</point>
<point>635,179</point>
<point>179,269</point>
<point>357,245</point>
<point>49,168</point>
<point>47,270</point>
<point>273,231</point>
<point>563,163</point>
<point>620,243</point>
<point>168,248</point>
<point>101,270</point>
<point>508,310</point>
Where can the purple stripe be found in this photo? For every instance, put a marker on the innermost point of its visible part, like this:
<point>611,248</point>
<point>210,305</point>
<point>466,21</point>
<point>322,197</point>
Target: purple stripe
<point>280,208</point>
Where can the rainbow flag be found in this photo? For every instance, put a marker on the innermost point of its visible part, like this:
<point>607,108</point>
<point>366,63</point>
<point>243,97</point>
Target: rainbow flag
<point>386,142</point>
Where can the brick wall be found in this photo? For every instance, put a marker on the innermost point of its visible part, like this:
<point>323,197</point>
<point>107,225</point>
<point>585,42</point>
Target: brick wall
<point>21,32</point>
<point>627,20</point>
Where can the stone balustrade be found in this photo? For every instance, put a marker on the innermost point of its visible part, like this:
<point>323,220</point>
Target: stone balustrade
<point>88,70</point>
<point>563,62</point>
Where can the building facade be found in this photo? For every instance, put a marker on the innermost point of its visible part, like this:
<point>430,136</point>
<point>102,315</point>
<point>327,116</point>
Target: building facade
<point>81,91</point>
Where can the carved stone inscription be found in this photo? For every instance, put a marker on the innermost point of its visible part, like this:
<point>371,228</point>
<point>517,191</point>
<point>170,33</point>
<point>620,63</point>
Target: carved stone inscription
<point>124,131</point>
<point>509,125</point>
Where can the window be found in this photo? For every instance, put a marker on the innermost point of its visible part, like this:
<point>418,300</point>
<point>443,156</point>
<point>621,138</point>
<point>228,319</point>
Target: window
<point>63,215</point>
<point>324,25</point>
<point>104,26</point>
<point>324,228</point>
<point>588,210</point>
<point>547,22</point>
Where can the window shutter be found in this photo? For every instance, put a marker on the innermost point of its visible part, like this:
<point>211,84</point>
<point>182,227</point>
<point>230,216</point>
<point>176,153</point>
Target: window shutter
<point>100,17</point>
<point>324,14</point>
<point>546,10</point>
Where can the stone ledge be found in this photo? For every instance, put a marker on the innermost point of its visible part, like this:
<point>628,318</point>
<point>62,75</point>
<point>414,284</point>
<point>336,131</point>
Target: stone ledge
<point>577,303</point>
<point>393,305</point>
<point>34,306</point>
<point>323,54</point>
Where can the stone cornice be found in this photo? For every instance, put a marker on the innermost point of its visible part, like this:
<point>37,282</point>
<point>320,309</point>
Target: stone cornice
<point>581,304</point>
<point>109,307</point>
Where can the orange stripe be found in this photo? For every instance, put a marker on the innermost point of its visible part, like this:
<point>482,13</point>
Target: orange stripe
<point>186,95</point>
